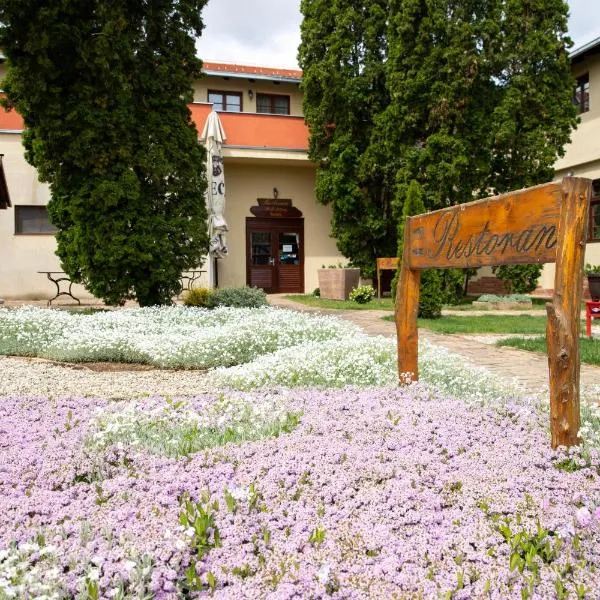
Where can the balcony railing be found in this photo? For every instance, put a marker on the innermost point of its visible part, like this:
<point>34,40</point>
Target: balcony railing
<point>254,130</point>
<point>249,130</point>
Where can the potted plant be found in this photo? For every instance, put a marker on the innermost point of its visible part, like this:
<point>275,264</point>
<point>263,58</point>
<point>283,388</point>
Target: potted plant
<point>593,277</point>
<point>336,282</point>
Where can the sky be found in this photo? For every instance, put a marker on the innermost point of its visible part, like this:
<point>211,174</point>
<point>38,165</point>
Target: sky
<point>267,32</point>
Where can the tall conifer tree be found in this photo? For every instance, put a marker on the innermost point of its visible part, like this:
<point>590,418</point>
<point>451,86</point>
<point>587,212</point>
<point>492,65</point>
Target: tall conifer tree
<point>342,55</point>
<point>477,100</point>
<point>103,88</point>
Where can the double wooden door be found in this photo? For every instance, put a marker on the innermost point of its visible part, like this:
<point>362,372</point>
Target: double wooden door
<point>275,254</point>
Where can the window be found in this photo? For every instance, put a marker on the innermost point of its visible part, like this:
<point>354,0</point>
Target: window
<point>595,212</point>
<point>33,220</point>
<point>225,101</point>
<point>273,104</point>
<point>582,94</point>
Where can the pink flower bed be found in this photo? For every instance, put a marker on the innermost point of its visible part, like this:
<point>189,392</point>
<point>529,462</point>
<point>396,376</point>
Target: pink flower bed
<point>376,494</point>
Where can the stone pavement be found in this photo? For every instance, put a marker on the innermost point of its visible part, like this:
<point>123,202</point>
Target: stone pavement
<point>529,368</point>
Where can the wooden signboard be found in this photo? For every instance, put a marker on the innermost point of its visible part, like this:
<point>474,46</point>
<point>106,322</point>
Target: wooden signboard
<point>546,223</point>
<point>275,208</point>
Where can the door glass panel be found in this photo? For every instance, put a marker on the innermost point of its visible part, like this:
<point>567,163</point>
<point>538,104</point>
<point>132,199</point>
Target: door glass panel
<point>261,248</point>
<point>289,248</point>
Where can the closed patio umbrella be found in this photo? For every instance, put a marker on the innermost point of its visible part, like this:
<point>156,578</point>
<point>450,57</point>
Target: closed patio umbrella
<point>213,136</point>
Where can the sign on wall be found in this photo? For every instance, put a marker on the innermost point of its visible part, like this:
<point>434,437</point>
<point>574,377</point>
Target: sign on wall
<point>543,224</point>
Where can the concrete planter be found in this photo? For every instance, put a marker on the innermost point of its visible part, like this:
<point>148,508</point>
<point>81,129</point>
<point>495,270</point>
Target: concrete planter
<point>594,285</point>
<point>336,284</point>
<point>502,305</point>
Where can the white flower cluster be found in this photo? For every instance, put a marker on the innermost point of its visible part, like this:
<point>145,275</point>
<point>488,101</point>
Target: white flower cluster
<point>356,359</point>
<point>176,428</point>
<point>31,570</point>
<point>457,377</point>
<point>168,337</point>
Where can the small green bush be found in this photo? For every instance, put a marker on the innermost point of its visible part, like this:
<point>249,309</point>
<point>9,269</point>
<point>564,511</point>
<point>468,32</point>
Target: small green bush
<point>200,297</point>
<point>430,297</point>
<point>244,297</point>
<point>519,279</point>
<point>592,269</point>
<point>317,292</point>
<point>362,294</point>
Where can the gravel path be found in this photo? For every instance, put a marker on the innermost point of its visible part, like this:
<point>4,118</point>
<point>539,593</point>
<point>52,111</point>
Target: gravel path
<point>37,377</point>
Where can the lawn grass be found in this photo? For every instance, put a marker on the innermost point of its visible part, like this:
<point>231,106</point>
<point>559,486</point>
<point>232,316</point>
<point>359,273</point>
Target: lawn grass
<point>537,304</point>
<point>318,302</point>
<point>589,347</point>
<point>484,324</point>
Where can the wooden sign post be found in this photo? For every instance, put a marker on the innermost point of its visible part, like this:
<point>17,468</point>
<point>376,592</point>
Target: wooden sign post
<point>545,223</point>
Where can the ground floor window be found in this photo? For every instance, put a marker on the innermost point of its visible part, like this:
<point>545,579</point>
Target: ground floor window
<point>32,220</point>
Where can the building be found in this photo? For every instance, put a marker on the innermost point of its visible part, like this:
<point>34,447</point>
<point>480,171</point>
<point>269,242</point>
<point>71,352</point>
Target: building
<point>581,159</point>
<point>278,234</point>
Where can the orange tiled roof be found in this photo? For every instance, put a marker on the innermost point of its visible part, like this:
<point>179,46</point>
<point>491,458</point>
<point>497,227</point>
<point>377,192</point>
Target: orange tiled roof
<point>251,70</point>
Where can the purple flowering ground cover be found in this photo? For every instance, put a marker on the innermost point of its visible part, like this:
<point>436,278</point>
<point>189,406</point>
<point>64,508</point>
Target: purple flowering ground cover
<point>377,493</point>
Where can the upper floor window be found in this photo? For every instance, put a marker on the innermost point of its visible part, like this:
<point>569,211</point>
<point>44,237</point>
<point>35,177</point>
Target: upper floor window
<point>225,101</point>
<point>33,220</point>
<point>582,93</point>
<point>273,103</point>
<point>594,235</point>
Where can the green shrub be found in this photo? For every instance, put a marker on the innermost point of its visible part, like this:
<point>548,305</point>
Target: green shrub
<point>362,294</point>
<point>592,269</point>
<point>430,297</point>
<point>519,279</point>
<point>244,297</point>
<point>317,292</point>
<point>200,297</point>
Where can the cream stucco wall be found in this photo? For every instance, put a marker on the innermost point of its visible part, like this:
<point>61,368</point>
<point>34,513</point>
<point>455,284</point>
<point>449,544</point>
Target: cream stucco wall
<point>247,182</point>
<point>243,85</point>
<point>24,255</point>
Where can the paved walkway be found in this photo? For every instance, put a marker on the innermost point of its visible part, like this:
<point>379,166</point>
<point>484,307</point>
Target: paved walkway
<point>529,368</point>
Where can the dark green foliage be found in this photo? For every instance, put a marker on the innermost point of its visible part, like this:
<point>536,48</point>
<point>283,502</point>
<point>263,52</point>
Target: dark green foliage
<point>481,95</point>
<point>468,98</point>
<point>519,279</point>
<point>244,297</point>
<point>431,295</point>
<point>342,55</point>
<point>103,88</point>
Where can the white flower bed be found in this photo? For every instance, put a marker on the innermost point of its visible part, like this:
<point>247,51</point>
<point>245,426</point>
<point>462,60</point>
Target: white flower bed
<point>174,337</point>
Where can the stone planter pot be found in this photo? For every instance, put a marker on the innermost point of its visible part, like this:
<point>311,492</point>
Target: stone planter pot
<point>594,285</point>
<point>336,284</point>
<point>502,305</point>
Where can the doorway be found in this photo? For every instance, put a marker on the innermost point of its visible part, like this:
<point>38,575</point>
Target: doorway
<point>275,254</point>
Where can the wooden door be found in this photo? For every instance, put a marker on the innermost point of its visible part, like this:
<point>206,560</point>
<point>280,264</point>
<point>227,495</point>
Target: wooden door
<point>275,254</point>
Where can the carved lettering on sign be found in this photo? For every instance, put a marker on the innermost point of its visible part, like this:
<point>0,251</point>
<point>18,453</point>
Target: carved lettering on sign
<point>514,228</point>
<point>447,240</point>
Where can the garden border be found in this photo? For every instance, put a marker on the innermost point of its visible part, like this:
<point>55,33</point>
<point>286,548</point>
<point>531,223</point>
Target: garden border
<point>543,224</point>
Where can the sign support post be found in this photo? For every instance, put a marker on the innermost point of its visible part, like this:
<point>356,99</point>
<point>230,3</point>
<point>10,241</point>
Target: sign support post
<point>546,223</point>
